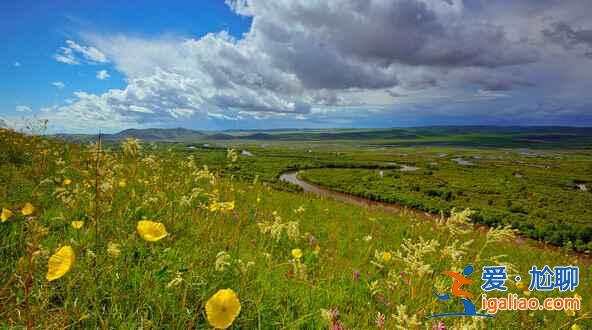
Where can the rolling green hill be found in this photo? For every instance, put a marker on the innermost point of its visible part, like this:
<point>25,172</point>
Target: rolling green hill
<point>483,136</point>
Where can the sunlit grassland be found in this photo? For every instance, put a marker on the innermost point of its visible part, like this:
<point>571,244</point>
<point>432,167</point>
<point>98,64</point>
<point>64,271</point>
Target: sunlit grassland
<point>535,191</point>
<point>539,197</point>
<point>120,280</point>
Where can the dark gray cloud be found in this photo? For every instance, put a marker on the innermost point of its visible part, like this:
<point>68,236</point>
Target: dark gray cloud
<point>493,80</point>
<point>380,33</point>
<point>565,35</point>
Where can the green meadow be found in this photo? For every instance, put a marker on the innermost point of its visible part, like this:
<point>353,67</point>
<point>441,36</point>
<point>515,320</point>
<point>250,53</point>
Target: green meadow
<point>220,218</point>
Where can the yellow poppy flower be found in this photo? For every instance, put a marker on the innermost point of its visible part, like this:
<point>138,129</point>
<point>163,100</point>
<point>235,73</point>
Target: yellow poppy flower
<point>151,231</point>
<point>575,326</point>
<point>577,296</point>
<point>77,224</point>
<point>520,285</point>
<point>60,263</point>
<point>297,253</point>
<point>67,182</point>
<point>28,209</point>
<point>222,308</point>
<point>570,312</point>
<point>386,256</point>
<point>122,183</point>
<point>6,214</point>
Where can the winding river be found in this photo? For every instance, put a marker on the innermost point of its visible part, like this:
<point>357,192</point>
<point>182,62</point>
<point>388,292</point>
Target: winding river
<point>293,178</point>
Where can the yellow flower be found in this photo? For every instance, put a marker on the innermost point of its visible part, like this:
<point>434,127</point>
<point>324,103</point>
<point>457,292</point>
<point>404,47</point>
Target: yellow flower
<point>6,214</point>
<point>151,231</point>
<point>386,256</point>
<point>520,285</point>
<point>28,209</point>
<point>222,308</point>
<point>113,249</point>
<point>60,263</point>
<point>570,312</point>
<point>67,182</point>
<point>122,183</point>
<point>577,296</point>
<point>77,224</point>
<point>297,253</point>
<point>575,326</point>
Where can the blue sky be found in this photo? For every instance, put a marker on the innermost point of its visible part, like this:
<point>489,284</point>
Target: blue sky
<point>111,65</point>
<point>34,30</point>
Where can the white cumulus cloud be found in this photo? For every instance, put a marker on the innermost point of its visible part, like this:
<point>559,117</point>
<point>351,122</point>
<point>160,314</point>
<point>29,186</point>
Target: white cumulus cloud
<point>103,74</point>
<point>312,59</point>
<point>23,108</point>
<point>74,53</point>
<point>58,84</point>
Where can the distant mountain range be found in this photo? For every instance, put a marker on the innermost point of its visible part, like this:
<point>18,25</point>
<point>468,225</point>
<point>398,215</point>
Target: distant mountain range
<point>146,134</point>
<point>440,135</point>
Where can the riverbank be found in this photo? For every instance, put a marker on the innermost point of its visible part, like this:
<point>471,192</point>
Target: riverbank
<point>293,177</point>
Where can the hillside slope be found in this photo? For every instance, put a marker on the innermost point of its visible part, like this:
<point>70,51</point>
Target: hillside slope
<point>287,256</point>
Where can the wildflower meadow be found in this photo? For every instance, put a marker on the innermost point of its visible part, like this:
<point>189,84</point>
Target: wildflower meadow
<point>133,235</point>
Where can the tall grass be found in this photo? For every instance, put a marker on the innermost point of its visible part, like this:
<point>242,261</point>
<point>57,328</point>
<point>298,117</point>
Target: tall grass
<point>356,265</point>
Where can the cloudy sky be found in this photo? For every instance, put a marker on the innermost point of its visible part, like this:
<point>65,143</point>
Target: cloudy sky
<point>209,64</point>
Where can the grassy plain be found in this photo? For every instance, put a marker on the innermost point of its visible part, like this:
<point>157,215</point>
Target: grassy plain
<point>545,193</point>
<point>359,261</point>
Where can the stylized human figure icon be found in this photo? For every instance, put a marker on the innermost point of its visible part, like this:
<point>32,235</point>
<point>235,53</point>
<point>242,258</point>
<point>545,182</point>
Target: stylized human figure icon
<point>459,282</point>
